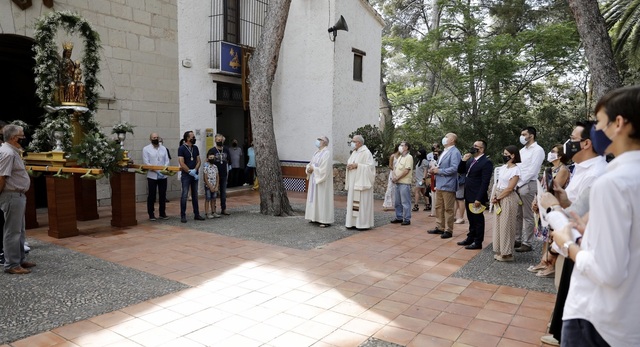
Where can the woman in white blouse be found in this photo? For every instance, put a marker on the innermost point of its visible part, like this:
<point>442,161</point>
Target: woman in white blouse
<point>505,202</point>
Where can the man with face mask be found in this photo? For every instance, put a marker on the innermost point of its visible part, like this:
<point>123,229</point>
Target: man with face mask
<point>14,183</point>
<point>359,181</point>
<point>156,154</point>
<point>532,156</point>
<point>319,171</point>
<point>189,160</point>
<point>401,177</point>
<point>589,165</point>
<point>222,160</point>
<point>446,172</point>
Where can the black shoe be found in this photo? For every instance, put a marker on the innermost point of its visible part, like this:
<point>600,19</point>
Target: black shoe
<point>524,248</point>
<point>446,235</point>
<point>164,217</point>
<point>395,221</point>
<point>199,217</point>
<point>474,246</point>
<point>517,244</point>
<point>153,218</point>
<point>183,220</point>
<point>464,243</point>
<point>435,231</point>
<point>408,222</point>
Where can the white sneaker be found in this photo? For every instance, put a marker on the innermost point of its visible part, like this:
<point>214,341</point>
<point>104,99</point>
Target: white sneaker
<point>246,184</point>
<point>459,221</point>
<point>215,215</point>
<point>26,247</point>
<point>210,216</point>
<point>549,340</point>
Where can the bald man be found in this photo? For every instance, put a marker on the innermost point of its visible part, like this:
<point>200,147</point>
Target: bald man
<point>156,154</point>
<point>446,172</point>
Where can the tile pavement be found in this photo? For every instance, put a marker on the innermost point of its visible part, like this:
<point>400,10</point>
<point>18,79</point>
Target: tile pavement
<point>392,283</point>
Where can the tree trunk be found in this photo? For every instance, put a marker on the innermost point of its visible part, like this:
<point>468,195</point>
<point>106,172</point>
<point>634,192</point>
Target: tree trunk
<point>597,46</point>
<point>263,65</point>
<point>385,105</point>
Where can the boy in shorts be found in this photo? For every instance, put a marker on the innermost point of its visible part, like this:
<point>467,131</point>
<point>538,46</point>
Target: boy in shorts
<point>211,185</point>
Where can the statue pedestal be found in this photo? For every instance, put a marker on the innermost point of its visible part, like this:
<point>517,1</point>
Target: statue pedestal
<point>62,207</point>
<point>86,198</point>
<point>30,214</point>
<point>123,199</point>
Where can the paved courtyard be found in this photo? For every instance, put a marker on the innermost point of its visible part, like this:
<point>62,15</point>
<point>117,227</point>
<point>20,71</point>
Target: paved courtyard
<point>388,286</point>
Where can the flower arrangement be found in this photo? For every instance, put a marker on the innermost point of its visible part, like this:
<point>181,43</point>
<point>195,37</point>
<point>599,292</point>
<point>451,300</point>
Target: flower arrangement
<point>43,139</point>
<point>97,151</point>
<point>123,127</point>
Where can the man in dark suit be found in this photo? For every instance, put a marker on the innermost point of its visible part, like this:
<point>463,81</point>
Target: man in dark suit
<point>478,171</point>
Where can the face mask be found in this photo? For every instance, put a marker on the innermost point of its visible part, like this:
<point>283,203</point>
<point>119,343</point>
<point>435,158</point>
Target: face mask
<point>234,145</point>
<point>600,141</point>
<point>318,143</point>
<point>473,150</point>
<point>401,149</point>
<point>211,161</point>
<point>571,148</point>
<point>1,138</point>
<point>353,145</point>
<point>155,142</point>
<point>444,141</point>
<point>552,156</point>
<point>218,143</point>
<point>523,140</point>
<point>193,141</point>
<point>435,157</point>
<point>506,158</point>
<point>21,142</point>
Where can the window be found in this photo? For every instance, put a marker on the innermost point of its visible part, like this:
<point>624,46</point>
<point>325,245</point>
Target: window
<point>358,56</point>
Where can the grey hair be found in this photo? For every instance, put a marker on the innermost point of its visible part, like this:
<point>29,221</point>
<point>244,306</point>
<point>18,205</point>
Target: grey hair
<point>359,138</point>
<point>220,135</point>
<point>11,130</point>
<point>325,139</point>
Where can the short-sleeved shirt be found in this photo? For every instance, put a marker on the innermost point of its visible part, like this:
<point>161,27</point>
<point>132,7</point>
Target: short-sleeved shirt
<point>190,155</point>
<point>13,170</point>
<point>404,163</point>
<point>506,174</point>
<point>212,173</point>
<point>252,157</point>
<point>221,159</point>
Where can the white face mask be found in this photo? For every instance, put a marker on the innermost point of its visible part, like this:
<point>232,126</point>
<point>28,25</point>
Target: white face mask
<point>445,141</point>
<point>353,145</point>
<point>523,140</point>
<point>551,156</point>
<point>318,143</point>
<point>401,149</point>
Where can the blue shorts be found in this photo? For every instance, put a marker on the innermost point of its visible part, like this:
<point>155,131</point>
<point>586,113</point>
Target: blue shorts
<point>209,195</point>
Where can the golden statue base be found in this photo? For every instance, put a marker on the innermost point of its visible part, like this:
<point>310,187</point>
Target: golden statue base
<point>46,159</point>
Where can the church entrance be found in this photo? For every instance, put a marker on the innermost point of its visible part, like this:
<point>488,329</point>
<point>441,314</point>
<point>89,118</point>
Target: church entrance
<point>18,90</point>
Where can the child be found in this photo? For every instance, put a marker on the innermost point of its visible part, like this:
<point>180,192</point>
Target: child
<point>211,182</point>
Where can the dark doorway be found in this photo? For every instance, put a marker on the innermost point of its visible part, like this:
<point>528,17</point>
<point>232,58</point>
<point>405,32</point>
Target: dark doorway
<point>18,90</point>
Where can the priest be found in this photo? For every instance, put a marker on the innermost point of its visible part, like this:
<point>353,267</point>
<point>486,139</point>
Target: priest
<point>320,192</point>
<point>361,173</point>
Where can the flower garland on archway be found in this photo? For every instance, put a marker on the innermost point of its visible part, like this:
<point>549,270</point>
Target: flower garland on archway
<point>46,76</point>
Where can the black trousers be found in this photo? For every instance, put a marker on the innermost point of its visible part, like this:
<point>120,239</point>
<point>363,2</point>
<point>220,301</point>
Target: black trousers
<point>161,186</point>
<point>563,290</point>
<point>1,231</point>
<point>476,225</point>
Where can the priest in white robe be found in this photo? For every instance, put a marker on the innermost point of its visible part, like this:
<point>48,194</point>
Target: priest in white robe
<point>361,174</point>
<point>320,192</point>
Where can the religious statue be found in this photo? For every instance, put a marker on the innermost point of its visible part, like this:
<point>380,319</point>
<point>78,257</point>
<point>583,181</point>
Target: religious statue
<point>70,87</point>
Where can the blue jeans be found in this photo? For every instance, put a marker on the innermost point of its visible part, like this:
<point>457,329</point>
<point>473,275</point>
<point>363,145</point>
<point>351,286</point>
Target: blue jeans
<point>188,182</point>
<point>403,202</point>
<point>580,333</point>
<point>223,192</point>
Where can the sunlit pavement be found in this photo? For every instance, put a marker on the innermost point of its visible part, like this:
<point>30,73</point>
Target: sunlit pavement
<point>393,283</point>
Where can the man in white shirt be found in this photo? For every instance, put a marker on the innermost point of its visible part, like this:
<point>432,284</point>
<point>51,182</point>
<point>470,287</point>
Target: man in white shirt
<point>601,307</point>
<point>156,154</point>
<point>532,156</point>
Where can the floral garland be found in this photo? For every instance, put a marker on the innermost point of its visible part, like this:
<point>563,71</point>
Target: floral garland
<point>100,152</point>
<point>123,127</point>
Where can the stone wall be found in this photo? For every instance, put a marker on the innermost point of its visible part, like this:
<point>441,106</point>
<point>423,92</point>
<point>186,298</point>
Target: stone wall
<point>380,187</point>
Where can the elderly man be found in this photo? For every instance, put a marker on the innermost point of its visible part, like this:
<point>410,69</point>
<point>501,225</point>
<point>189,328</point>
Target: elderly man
<point>361,174</point>
<point>401,177</point>
<point>156,154</point>
<point>14,182</point>
<point>446,172</point>
<point>320,193</point>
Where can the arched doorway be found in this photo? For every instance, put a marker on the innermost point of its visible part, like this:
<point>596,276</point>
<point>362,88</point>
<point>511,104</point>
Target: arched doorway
<point>18,89</point>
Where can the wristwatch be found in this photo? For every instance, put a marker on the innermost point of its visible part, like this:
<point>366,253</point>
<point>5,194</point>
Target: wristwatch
<point>565,248</point>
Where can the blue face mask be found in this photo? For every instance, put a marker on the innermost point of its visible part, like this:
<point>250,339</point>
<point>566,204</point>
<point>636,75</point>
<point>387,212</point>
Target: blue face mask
<point>599,140</point>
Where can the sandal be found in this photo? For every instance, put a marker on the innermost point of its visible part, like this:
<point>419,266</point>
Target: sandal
<point>547,272</point>
<point>415,208</point>
<point>537,268</point>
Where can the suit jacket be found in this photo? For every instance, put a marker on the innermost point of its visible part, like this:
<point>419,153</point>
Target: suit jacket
<point>478,177</point>
<point>447,177</point>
